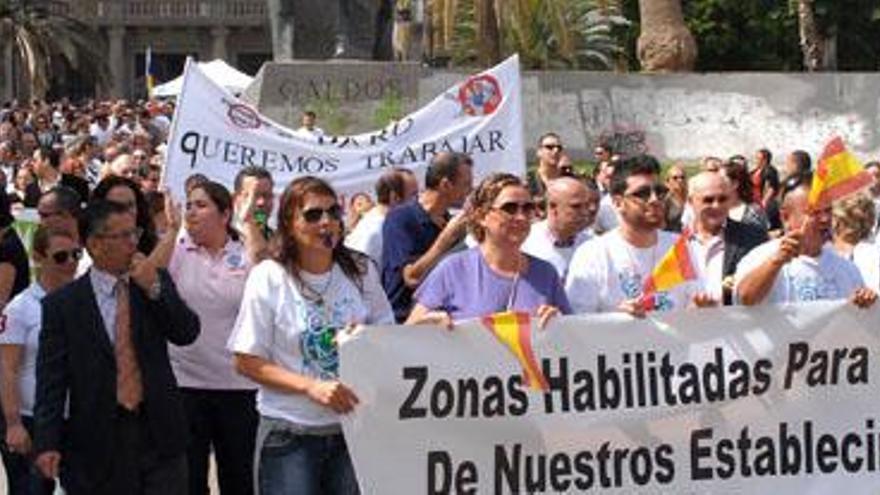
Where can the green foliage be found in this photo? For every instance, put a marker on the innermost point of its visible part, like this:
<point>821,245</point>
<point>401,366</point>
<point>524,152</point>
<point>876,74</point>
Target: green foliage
<point>334,121</point>
<point>389,110</point>
<point>41,36</point>
<point>547,34</point>
<point>757,35</point>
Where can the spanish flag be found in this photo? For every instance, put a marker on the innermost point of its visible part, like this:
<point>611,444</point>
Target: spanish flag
<point>514,330</point>
<point>676,267</point>
<point>838,174</point>
<point>149,79</point>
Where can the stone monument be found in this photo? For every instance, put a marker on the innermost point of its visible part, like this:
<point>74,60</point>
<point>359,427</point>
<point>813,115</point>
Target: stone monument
<point>321,29</point>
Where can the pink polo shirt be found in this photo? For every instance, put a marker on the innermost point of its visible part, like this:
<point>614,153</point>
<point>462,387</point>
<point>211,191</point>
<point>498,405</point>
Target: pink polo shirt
<point>212,286</point>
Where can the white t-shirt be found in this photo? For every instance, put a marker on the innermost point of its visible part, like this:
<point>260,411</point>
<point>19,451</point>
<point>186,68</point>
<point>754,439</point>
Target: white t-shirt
<point>608,270</point>
<point>542,245</point>
<point>20,325</point>
<point>826,277</point>
<point>313,133</point>
<point>866,256</point>
<point>606,218</point>
<point>276,323</point>
<point>367,235</point>
<point>102,136</point>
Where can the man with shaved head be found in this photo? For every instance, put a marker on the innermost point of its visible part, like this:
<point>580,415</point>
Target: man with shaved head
<point>717,243</point>
<point>571,209</point>
<point>800,266</point>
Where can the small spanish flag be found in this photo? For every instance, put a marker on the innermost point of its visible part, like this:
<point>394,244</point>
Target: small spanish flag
<point>676,267</point>
<point>514,330</point>
<point>838,174</point>
<point>149,79</point>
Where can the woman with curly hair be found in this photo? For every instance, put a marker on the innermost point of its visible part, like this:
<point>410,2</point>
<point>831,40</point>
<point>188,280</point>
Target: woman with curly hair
<point>285,340</point>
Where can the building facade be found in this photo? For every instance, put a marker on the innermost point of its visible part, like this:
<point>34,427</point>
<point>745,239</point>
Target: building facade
<point>234,30</point>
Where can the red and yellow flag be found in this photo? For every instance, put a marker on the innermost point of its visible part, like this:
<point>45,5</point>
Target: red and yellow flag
<point>838,174</point>
<point>676,267</point>
<point>514,330</point>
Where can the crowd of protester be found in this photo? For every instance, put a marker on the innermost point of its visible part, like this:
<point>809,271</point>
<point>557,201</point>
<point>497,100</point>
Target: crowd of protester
<point>150,337</point>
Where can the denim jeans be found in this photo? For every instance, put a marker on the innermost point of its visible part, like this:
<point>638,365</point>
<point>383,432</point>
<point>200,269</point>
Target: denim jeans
<point>304,464</point>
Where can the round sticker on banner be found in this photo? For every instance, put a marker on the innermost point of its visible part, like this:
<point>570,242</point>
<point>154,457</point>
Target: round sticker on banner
<point>243,116</point>
<point>480,95</point>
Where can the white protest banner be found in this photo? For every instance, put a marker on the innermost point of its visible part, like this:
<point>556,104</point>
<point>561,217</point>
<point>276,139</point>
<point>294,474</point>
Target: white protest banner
<point>734,400</point>
<point>216,134</point>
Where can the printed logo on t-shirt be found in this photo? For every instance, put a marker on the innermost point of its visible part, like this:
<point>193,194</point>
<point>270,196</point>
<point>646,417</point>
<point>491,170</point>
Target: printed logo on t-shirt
<point>318,344</point>
<point>631,285</point>
<point>814,289</point>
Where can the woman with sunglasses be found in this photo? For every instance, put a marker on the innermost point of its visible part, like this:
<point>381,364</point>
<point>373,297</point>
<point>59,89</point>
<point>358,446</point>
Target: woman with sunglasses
<point>293,307</point>
<point>55,255</point>
<point>495,276</point>
<point>209,266</point>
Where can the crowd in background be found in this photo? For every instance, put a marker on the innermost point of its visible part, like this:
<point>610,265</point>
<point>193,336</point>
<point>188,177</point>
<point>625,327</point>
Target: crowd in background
<point>152,335</point>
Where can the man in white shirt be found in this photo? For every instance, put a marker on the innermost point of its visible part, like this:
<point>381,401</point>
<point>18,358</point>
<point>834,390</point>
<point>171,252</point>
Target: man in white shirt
<point>393,187</point>
<point>309,129</point>
<point>571,209</point>
<point>608,273</point>
<point>800,266</point>
<point>717,243</point>
<point>607,216</point>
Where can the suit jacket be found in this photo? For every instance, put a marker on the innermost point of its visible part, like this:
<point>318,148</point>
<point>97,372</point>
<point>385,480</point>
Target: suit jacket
<point>78,184</point>
<point>76,356</point>
<point>739,239</point>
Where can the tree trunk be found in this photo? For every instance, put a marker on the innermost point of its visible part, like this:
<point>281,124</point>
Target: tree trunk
<point>813,43</point>
<point>488,36</point>
<point>665,43</point>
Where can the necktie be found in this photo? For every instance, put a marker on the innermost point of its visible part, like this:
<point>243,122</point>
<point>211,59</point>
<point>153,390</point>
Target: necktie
<point>129,389</point>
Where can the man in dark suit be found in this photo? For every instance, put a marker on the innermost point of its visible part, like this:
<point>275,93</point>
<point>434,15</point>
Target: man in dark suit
<point>718,242</point>
<point>103,348</point>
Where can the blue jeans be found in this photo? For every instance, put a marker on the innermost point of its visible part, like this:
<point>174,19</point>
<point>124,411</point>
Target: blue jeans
<point>305,464</point>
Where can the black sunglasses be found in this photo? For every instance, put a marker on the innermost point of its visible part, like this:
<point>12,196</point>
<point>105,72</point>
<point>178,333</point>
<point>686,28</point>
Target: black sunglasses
<point>314,215</point>
<point>61,257</point>
<point>553,147</point>
<point>512,208</point>
<point>644,193</point>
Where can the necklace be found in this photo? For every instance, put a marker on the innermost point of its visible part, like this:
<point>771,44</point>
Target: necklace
<point>511,297</point>
<point>313,294</point>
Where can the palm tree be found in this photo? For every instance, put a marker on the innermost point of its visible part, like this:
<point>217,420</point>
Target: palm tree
<point>42,33</point>
<point>818,45</point>
<point>572,34</point>
<point>665,43</point>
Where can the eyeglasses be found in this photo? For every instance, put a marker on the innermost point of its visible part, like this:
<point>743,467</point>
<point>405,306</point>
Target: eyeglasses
<point>314,215</point>
<point>61,257</point>
<point>134,235</point>
<point>511,208</point>
<point>644,193</point>
<point>552,147</point>
<point>720,199</point>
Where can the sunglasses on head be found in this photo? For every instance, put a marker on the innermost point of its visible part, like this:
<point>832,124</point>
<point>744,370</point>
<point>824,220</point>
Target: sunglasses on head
<point>644,193</point>
<point>61,257</point>
<point>512,208</point>
<point>314,215</point>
